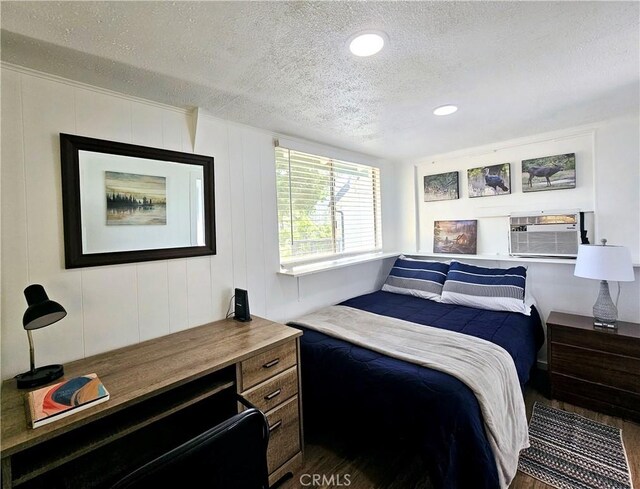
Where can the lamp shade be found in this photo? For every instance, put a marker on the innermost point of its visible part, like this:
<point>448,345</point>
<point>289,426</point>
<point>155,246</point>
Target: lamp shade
<point>604,263</point>
<point>41,311</point>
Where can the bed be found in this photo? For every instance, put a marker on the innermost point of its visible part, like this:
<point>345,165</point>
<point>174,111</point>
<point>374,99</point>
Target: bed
<point>365,393</point>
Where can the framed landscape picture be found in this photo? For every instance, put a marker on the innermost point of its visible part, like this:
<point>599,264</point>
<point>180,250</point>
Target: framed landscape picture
<point>124,203</point>
<point>458,237</point>
<point>486,181</point>
<point>135,199</point>
<point>443,186</point>
<point>549,173</point>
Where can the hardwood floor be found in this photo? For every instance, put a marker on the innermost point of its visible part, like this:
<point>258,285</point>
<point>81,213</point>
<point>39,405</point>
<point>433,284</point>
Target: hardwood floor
<point>394,467</point>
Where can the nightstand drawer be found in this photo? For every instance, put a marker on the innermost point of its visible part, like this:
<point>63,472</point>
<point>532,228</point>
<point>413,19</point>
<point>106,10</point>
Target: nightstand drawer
<point>267,364</point>
<point>565,387</point>
<point>284,433</point>
<point>606,341</point>
<point>272,392</point>
<point>616,371</point>
<point>594,368</point>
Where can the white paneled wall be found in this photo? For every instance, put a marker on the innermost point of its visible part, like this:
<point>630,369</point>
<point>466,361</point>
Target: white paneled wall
<point>617,180</point>
<point>491,212</point>
<point>110,307</point>
<point>114,306</point>
<point>608,182</point>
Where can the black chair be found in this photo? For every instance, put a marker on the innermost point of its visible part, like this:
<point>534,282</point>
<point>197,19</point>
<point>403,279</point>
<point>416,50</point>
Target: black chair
<point>231,455</point>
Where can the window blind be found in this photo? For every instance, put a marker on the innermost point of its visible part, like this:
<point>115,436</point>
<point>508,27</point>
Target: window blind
<point>326,208</point>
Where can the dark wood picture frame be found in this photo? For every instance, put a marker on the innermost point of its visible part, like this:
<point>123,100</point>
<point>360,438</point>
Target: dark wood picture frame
<point>70,145</point>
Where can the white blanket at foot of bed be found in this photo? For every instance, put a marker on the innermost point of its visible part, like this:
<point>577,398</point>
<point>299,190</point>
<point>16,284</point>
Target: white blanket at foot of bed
<point>486,368</point>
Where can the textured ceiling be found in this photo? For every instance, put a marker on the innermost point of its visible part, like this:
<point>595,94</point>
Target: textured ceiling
<point>514,68</point>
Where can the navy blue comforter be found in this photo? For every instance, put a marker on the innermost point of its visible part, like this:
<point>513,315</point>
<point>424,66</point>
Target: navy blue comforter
<point>367,394</point>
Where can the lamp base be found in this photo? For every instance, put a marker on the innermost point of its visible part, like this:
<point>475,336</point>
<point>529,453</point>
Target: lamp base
<point>604,324</point>
<point>604,310</point>
<point>39,376</point>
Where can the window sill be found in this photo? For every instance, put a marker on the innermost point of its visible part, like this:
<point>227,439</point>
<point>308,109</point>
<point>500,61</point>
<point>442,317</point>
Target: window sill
<point>489,257</point>
<point>302,270</point>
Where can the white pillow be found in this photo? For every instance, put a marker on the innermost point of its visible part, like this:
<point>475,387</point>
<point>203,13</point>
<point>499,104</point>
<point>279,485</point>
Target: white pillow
<point>419,278</point>
<point>495,289</point>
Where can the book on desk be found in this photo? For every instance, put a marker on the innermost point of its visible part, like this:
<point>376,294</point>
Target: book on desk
<point>53,402</point>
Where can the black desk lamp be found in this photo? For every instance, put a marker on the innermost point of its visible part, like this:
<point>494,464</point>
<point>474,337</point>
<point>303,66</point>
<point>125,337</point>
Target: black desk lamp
<point>40,313</point>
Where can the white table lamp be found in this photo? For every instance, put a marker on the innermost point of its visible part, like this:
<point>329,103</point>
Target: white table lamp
<point>602,262</point>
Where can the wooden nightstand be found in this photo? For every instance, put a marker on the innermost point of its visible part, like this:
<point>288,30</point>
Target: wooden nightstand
<point>594,368</point>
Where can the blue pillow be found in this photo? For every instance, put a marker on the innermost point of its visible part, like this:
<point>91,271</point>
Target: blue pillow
<point>496,289</point>
<point>417,277</point>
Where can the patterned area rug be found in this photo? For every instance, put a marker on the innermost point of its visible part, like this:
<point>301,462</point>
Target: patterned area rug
<point>569,451</point>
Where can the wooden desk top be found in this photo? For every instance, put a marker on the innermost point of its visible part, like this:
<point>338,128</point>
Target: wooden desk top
<point>138,372</point>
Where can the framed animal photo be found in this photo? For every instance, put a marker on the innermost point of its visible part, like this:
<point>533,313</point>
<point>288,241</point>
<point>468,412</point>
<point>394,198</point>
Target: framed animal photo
<point>486,181</point>
<point>549,173</point>
<point>443,186</point>
<point>458,237</point>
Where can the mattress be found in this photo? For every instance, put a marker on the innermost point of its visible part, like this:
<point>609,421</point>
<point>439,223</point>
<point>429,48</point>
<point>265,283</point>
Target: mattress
<point>368,395</point>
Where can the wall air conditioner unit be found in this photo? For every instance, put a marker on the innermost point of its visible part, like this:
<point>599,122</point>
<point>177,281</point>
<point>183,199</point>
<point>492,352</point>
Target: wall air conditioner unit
<point>545,233</point>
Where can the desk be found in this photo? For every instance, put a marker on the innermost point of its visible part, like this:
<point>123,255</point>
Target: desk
<point>179,384</point>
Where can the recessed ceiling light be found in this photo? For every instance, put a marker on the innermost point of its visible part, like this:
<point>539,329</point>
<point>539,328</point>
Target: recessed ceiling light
<point>445,110</point>
<point>367,43</point>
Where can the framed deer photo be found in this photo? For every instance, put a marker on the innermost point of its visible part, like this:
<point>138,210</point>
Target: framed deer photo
<point>443,186</point>
<point>549,173</point>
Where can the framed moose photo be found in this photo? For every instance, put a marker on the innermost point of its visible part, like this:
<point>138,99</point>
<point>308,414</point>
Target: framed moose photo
<point>549,173</point>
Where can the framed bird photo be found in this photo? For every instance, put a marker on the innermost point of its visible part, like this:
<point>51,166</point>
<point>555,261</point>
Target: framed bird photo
<point>549,173</point>
<point>486,181</point>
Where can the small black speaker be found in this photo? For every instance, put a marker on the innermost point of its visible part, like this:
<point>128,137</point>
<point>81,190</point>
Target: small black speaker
<point>242,306</point>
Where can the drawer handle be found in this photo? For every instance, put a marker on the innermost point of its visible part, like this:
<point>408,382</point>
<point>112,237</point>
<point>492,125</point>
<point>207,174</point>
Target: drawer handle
<point>275,426</point>
<point>268,397</point>
<point>271,363</point>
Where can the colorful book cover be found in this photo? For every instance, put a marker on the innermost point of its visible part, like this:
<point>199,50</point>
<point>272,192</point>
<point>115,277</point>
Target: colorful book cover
<point>57,401</point>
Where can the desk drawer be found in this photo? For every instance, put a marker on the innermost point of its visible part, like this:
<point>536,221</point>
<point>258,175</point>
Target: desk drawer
<point>267,364</point>
<point>272,392</point>
<point>284,437</point>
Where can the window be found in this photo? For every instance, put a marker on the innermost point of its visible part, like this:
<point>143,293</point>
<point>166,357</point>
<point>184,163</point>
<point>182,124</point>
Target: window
<point>326,208</point>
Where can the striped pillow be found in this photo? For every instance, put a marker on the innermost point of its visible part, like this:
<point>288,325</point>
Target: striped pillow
<point>417,277</point>
<point>496,289</point>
